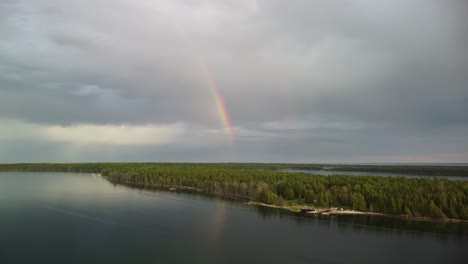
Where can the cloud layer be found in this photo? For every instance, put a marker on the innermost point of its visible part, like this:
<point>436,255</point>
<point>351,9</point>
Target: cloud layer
<point>309,81</point>
<point>130,135</point>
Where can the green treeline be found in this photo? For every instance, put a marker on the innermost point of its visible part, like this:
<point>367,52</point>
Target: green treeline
<point>437,198</point>
<point>407,169</point>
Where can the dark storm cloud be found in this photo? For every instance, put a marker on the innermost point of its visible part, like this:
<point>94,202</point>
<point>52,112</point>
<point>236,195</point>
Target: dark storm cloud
<point>396,62</point>
<point>302,80</point>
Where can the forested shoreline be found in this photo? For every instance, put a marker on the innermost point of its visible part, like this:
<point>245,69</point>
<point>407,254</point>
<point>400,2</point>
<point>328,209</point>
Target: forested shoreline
<point>421,197</point>
<point>437,170</point>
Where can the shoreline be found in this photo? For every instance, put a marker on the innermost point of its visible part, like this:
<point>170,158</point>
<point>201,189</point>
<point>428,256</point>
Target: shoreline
<point>309,210</point>
<point>296,208</point>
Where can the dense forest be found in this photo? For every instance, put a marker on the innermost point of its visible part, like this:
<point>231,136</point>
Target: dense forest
<point>436,198</point>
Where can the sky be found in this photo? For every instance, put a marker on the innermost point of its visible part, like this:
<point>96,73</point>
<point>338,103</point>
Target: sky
<point>234,81</point>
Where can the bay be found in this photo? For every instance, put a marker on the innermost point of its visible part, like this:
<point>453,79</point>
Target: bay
<point>83,218</point>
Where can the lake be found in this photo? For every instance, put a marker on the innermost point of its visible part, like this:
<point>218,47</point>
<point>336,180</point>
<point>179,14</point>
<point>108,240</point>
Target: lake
<point>83,218</point>
<point>378,174</point>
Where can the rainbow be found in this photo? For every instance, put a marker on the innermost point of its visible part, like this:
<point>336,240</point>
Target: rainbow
<point>211,82</point>
<point>219,101</point>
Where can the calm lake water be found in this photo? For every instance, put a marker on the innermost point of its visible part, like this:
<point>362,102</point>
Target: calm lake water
<point>81,218</point>
<point>380,174</point>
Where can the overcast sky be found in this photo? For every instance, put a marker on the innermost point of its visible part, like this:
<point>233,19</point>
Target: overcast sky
<point>302,81</point>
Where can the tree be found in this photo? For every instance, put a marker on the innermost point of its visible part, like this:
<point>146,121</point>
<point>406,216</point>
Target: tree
<point>408,212</point>
<point>359,203</point>
<point>309,196</point>
<point>434,211</point>
<point>268,197</point>
<point>324,198</point>
<point>289,194</point>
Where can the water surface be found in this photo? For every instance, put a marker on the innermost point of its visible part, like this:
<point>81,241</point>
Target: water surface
<point>82,218</point>
<point>378,174</point>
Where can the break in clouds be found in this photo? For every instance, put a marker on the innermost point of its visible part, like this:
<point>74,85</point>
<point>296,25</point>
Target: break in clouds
<point>302,81</point>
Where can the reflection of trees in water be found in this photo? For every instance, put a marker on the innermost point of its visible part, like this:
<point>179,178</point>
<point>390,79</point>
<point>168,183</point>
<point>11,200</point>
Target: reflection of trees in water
<point>360,223</point>
<point>402,227</point>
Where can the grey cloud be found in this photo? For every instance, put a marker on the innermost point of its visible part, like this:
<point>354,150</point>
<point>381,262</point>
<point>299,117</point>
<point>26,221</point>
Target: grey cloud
<point>390,73</point>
